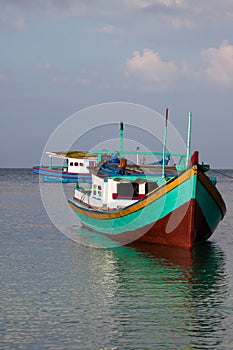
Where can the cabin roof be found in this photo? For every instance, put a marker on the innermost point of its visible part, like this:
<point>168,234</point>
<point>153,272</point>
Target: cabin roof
<point>128,179</point>
<point>73,154</point>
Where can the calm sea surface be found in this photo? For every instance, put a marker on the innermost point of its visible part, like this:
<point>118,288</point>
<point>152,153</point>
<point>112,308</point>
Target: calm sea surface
<point>58,294</point>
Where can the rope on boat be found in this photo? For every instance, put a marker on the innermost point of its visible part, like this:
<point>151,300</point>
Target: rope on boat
<point>219,172</point>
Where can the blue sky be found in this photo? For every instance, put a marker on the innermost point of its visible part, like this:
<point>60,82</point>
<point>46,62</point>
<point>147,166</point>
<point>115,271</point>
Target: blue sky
<point>58,57</point>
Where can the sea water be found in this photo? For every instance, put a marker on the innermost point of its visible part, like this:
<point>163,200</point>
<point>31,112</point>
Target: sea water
<point>58,294</point>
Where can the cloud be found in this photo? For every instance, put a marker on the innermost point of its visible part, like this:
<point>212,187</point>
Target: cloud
<point>175,13</point>
<point>149,68</point>
<point>183,13</point>
<point>220,64</point>
<point>150,71</point>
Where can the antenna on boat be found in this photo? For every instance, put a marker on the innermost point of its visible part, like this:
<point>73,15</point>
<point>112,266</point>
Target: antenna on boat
<point>121,139</point>
<point>189,138</point>
<point>137,150</point>
<point>164,143</point>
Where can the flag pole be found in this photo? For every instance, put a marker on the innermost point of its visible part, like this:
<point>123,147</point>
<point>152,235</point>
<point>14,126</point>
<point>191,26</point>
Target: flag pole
<point>121,139</point>
<point>189,138</point>
<point>164,143</point>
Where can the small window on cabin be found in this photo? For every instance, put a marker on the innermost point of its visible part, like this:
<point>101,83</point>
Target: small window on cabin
<point>95,190</point>
<point>75,164</point>
<point>81,164</point>
<point>71,163</point>
<point>99,191</point>
<point>128,190</point>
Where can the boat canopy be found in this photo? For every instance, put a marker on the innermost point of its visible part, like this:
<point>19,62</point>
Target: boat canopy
<point>72,154</point>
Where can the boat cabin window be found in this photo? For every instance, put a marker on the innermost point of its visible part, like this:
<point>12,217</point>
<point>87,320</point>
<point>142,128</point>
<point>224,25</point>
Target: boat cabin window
<point>76,164</point>
<point>150,186</point>
<point>97,191</point>
<point>128,189</point>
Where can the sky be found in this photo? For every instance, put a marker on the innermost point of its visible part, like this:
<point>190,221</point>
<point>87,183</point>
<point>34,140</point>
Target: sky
<point>58,57</point>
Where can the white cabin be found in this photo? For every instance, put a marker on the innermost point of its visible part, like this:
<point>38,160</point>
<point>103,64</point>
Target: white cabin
<point>71,164</point>
<point>113,193</point>
<point>79,165</point>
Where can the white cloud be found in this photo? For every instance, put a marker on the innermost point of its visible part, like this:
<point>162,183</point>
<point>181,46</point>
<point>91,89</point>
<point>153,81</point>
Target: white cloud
<point>220,64</point>
<point>151,69</point>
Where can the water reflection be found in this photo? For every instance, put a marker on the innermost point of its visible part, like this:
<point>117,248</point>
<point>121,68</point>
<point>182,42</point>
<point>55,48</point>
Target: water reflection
<point>173,296</point>
<point>190,289</point>
<point>138,297</point>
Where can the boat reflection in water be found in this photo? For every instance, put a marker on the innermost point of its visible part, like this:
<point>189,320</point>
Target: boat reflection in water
<point>176,297</point>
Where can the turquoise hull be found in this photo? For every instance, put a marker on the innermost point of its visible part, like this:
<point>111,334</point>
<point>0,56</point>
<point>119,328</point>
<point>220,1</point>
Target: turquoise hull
<point>182,212</point>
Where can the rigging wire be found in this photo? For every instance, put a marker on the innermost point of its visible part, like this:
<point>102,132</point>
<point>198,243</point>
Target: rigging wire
<point>219,172</point>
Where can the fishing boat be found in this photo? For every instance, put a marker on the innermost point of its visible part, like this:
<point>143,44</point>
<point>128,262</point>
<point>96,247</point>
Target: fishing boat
<point>167,204</point>
<point>74,167</point>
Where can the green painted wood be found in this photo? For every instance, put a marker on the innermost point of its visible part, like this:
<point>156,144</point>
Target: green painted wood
<point>147,215</point>
<point>209,207</point>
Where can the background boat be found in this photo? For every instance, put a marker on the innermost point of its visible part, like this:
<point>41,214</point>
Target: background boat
<point>74,167</point>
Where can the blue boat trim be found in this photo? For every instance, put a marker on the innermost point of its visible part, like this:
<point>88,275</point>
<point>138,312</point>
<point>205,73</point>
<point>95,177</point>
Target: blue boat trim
<point>52,175</point>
